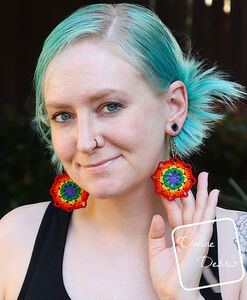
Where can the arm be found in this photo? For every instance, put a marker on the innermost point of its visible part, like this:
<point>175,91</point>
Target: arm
<point>11,230</point>
<point>3,256</point>
<point>18,230</point>
<point>243,289</point>
<point>241,223</point>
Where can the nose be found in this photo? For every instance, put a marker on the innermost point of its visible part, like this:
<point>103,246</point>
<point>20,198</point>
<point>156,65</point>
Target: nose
<point>85,134</point>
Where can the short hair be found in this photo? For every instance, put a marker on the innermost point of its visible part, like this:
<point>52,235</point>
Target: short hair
<point>138,35</point>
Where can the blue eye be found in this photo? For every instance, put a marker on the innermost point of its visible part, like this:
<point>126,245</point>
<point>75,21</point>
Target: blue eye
<point>111,107</point>
<point>61,117</point>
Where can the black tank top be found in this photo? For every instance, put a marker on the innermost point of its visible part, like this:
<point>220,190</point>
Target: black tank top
<point>44,280</point>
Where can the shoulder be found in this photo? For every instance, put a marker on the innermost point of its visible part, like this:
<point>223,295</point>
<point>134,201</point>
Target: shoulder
<point>18,230</point>
<point>21,224</point>
<point>24,210</point>
<point>25,219</point>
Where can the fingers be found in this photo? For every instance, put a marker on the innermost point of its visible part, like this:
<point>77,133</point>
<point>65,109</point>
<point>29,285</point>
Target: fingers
<point>210,211</point>
<point>201,196</point>
<point>188,208</point>
<point>156,236</point>
<point>209,214</point>
<point>174,212</point>
<point>157,228</point>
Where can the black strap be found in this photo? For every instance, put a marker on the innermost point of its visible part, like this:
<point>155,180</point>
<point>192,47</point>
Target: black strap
<point>208,293</point>
<point>44,276</point>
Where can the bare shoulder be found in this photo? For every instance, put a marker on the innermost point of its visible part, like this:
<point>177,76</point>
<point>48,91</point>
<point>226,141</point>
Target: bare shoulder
<point>20,223</point>
<point>18,231</point>
<point>25,211</point>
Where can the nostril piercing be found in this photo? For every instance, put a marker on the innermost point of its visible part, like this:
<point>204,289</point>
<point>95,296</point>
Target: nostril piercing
<point>96,143</point>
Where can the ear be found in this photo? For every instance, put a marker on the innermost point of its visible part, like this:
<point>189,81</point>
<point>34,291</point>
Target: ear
<point>177,107</point>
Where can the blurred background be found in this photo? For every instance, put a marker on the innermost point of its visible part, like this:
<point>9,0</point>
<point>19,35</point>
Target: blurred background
<point>217,31</point>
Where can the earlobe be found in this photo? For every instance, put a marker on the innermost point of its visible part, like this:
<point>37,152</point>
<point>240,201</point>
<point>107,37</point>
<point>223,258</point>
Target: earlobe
<point>177,104</point>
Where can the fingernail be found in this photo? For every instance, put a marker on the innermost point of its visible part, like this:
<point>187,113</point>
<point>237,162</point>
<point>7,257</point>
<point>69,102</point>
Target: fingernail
<point>218,192</point>
<point>155,217</point>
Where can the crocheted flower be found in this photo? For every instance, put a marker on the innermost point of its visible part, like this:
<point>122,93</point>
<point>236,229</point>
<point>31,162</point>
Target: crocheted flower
<point>173,179</point>
<point>67,194</point>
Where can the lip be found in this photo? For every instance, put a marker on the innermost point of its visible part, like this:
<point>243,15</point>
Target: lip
<point>101,166</point>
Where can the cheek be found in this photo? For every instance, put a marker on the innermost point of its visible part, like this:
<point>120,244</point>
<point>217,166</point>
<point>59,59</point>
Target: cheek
<point>128,136</point>
<point>63,145</point>
<point>142,136</point>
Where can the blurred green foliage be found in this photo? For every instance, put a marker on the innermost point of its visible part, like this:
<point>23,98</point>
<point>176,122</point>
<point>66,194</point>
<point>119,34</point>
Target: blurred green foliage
<point>26,172</point>
<point>27,175</point>
<point>225,159</point>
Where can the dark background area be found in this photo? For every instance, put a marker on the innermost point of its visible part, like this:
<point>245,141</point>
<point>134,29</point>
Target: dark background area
<point>215,35</point>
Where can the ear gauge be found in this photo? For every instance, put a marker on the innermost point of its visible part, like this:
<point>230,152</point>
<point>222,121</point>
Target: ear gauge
<point>175,127</point>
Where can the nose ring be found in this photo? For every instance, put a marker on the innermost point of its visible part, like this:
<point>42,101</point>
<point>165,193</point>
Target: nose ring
<point>96,143</point>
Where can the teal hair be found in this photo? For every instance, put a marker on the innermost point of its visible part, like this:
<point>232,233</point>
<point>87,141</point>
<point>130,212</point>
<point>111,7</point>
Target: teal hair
<point>137,34</point>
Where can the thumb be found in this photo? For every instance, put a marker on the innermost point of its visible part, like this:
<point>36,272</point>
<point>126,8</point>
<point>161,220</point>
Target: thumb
<point>156,236</point>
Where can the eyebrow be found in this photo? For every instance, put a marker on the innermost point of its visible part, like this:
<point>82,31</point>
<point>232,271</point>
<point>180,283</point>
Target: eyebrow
<point>94,97</point>
<point>105,92</point>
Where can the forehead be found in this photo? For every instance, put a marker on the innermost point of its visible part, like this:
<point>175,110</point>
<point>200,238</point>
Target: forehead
<point>88,65</point>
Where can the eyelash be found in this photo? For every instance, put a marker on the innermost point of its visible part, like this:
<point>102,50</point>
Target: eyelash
<point>112,103</point>
<point>119,106</point>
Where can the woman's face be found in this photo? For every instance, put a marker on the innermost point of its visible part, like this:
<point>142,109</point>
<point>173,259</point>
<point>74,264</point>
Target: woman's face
<point>90,93</point>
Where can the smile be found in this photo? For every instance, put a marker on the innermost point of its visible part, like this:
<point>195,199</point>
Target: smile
<point>100,167</point>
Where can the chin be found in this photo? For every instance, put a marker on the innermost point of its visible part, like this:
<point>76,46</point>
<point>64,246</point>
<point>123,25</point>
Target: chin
<point>106,191</point>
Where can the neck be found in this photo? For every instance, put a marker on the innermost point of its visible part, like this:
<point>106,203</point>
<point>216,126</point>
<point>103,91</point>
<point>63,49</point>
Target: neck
<point>127,217</point>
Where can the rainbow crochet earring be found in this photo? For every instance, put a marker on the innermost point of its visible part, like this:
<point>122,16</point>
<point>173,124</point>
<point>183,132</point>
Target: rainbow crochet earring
<point>67,194</point>
<point>173,178</point>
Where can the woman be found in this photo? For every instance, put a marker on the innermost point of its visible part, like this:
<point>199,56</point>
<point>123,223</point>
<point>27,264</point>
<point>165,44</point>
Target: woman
<point>114,93</point>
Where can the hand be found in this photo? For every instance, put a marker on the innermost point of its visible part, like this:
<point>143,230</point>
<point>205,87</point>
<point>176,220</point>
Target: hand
<point>162,261</point>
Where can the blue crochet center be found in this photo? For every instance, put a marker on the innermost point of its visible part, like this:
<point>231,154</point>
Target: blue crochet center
<point>69,191</point>
<point>174,178</point>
